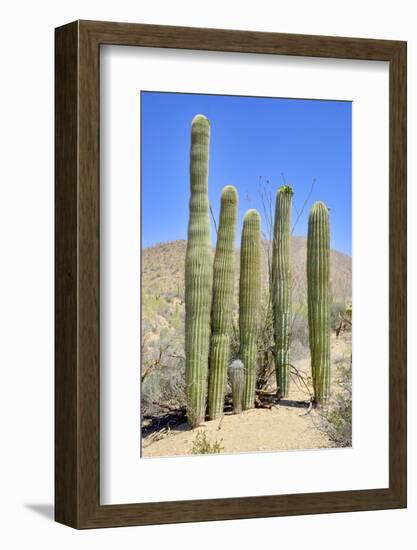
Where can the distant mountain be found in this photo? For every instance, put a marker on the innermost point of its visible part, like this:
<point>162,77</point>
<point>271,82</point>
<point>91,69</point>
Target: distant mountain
<point>163,270</point>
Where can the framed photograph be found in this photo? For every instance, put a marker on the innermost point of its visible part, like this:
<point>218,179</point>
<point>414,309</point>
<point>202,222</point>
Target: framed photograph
<point>230,274</point>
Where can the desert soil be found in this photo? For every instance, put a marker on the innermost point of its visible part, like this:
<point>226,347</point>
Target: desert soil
<point>286,425</point>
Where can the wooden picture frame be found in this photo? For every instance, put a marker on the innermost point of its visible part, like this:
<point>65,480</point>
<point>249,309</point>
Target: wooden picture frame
<point>77,372</point>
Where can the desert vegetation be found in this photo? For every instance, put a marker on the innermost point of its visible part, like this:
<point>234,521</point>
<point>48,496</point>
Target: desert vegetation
<point>228,331</point>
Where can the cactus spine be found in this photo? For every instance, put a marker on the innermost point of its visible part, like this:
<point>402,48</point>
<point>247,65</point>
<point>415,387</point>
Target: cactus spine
<point>318,276</point>
<point>281,287</point>
<point>222,306</point>
<point>249,298</point>
<point>237,381</point>
<point>198,275</point>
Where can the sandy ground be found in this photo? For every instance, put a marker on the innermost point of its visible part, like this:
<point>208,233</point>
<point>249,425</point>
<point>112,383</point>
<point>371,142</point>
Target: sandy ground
<point>284,426</point>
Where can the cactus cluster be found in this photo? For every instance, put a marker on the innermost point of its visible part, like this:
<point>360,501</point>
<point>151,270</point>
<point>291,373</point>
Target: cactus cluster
<point>209,292</point>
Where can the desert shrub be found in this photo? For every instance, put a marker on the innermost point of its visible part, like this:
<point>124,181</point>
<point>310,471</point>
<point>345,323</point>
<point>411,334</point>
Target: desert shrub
<point>164,390</point>
<point>299,335</point>
<point>265,366</point>
<point>202,446</point>
<point>336,420</point>
<point>234,338</point>
<point>336,314</point>
<point>299,343</point>
<point>164,334</point>
<point>176,320</point>
<point>164,309</point>
<point>163,372</point>
<point>298,350</point>
<point>151,305</point>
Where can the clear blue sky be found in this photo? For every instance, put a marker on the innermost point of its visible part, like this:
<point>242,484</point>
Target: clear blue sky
<point>251,138</point>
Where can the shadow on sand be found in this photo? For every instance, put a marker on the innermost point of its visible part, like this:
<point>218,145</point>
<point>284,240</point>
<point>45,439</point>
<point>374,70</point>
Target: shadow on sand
<point>293,403</point>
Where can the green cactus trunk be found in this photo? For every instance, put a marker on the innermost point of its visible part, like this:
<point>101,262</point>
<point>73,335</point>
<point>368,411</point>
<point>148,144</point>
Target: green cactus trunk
<point>249,300</point>
<point>198,275</point>
<point>281,288</point>
<point>222,306</point>
<point>237,381</point>
<point>318,287</point>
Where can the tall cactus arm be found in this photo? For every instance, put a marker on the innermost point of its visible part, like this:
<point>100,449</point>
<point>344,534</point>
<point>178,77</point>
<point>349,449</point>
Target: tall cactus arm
<point>318,290</point>
<point>281,288</point>
<point>222,307</point>
<point>198,275</point>
<point>249,301</point>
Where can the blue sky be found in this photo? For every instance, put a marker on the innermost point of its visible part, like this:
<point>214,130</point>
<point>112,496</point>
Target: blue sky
<point>253,140</point>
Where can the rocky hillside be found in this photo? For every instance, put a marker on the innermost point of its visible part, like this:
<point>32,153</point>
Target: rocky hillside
<point>163,270</point>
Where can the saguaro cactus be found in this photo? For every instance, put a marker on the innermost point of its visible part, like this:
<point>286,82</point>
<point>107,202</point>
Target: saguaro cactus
<point>318,277</point>
<point>237,381</point>
<point>221,313</point>
<point>198,275</point>
<point>281,287</point>
<point>249,298</point>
